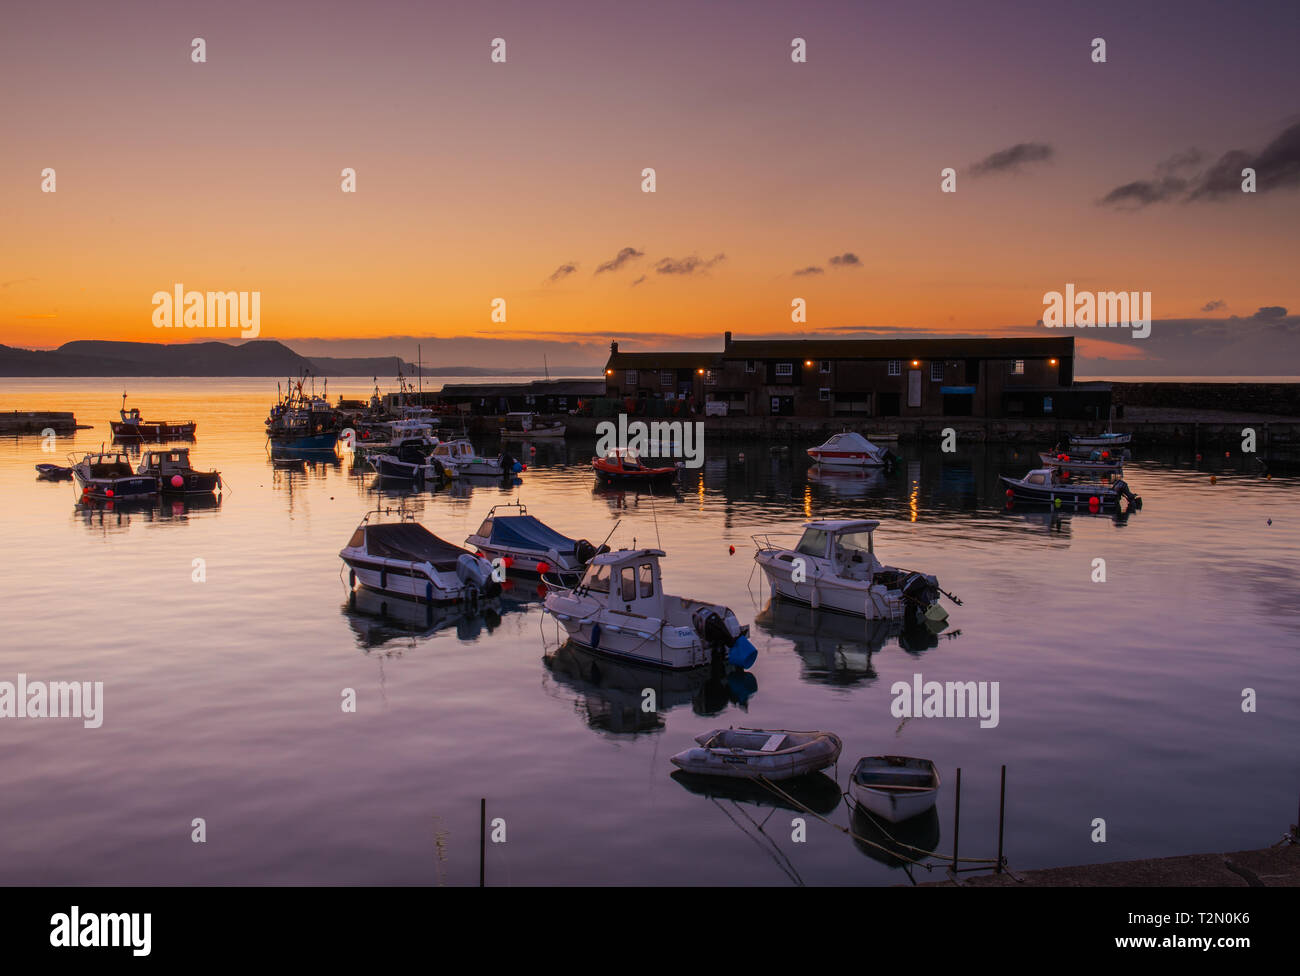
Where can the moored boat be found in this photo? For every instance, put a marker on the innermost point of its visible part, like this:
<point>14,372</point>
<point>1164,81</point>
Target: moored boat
<point>620,608</point>
<point>132,428</point>
<point>175,474</point>
<point>895,788</point>
<point>459,459</point>
<point>53,472</point>
<point>849,449</point>
<point>1107,439</point>
<point>405,559</point>
<point>108,475</point>
<point>1047,485</point>
<point>525,424</point>
<point>526,544</point>
<point>621,465</point>
<point>833,566</point>
<point>1094,462</point>
<point>774,754</point>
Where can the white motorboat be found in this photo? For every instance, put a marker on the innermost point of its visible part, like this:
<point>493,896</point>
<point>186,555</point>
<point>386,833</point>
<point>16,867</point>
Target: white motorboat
<point>1108,439</point>
<point>833,566</point>
<point>849,449</point>
<point>525,424</point>
<point>459,458</point>
<point>749,753</point>
<point>1093,462</point>
<point>620,608</point>
<point>406,559</point>
<point>895,788</point>
<point>526,544</point>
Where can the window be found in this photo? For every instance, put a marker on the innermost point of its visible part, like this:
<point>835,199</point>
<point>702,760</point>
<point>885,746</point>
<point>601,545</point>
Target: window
<point>597,579</point>
<point>785,369</point>
<point>628,584</point>
<point>667,378</point>
<point>825,366</point>
<point>647,580</point>
<point>813,542</point>
<point>1018,368</point>
<point>630,377</point>
<point>751,366</point>
<point>824,394</point>
<point>936,372</point>
<point>710,377</point>
<point>895,367</point>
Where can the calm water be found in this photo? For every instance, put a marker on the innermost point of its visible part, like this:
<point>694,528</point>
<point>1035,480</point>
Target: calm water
<point>222,698</point>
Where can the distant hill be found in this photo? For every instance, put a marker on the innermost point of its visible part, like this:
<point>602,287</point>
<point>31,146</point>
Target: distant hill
<point>261,357</point>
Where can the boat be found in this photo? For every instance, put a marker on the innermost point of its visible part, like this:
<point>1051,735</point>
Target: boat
<point>405,559</point>
<point>410,461</point>
<point>1108,439</point>
<point>526,544</point>
<point>849,449</point>
<point>1095,462</point>
<point>895,788</point>
<point>174,474</point>
<point>774,754</point>
<point>459,459</point>
<point>833,566</point>
<point>526,424</point>
<point>108,475</point>
<point>620,609</point>
<point>621,465</point>
<point>132,427</point>
<point>53,472</point>
<point>302,421</point>
<point>1048,485</point>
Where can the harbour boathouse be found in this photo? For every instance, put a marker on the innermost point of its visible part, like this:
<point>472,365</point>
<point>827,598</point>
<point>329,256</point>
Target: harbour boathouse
<point>1002,378</point>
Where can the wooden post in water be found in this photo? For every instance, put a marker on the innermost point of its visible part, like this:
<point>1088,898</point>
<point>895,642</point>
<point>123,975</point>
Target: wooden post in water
<point>1002,810</point>
<point>956,822</point>
<point>482,839</point>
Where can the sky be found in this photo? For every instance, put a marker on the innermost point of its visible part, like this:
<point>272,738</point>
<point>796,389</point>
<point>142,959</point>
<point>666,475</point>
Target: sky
<point>774,180</point>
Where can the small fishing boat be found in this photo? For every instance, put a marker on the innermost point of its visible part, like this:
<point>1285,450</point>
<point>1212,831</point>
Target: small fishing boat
<point>526,544</point>
<point>895,788</point>
<point>774,754</point>
<point>1108,439</point>
<point>132,427</point>
<point>409,462</point>
<point>620,609</point>
<point>526,424</point>
<point>405,559</point>
<point>849,449</point>
<point>174,473</point>
<point>833,566</point>
<point>459,459</point>
<point>1094,462</point>
<point>1047,485</point>
<point>108,475</point>
<point>53,472</point>
<point>621,465</point>
<point>302,421</point>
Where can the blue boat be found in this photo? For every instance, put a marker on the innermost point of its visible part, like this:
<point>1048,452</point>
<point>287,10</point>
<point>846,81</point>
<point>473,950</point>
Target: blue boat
<point>527,544</point>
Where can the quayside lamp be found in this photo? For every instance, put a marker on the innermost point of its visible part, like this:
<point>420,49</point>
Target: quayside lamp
<point>916,363</point>
<point>1051,362</point>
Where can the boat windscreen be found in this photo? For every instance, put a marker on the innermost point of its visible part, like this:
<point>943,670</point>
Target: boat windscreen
<point>813,543</point>
<point>527,532</point>
<point>411,542</point>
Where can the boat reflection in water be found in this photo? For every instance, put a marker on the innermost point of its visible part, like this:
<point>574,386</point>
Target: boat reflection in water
<point>622,698</point>
<point>837,648</point>
<point>378,618</point>
<point>848,482</point>
<point>110,513</point>
<point>896,845</point>
<point>814,791</point>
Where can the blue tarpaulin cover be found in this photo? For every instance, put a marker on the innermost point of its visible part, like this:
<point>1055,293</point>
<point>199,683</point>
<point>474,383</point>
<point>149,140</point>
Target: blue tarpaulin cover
<point>526,532</point>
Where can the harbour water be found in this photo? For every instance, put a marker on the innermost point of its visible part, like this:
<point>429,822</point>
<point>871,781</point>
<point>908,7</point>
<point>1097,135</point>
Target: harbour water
<point>1119,700</point>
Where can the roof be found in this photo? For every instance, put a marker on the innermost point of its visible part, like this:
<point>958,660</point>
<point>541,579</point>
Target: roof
<point>664,360</point>
<point>931,348</point>
<point>843,525</point>
<point>624,555</point>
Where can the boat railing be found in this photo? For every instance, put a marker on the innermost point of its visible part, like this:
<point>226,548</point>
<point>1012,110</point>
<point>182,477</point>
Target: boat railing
<point>763,540</point>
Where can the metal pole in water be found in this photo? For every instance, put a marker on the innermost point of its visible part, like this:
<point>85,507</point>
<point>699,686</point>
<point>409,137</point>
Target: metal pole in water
<point>482,838</point>
<point>956,821</point>
<point>1002,809</point>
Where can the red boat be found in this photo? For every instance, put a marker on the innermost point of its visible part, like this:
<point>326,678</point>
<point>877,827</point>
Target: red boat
<point>622,465</point>
<point>132,428</point>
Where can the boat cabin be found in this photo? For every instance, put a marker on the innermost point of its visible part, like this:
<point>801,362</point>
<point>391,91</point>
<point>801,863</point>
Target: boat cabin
<point>458,450</point>
<point>628,579</point>
<point>1041,478</point>
<point>166,463</point>
<point>107,465</point>
<point>848,544</point>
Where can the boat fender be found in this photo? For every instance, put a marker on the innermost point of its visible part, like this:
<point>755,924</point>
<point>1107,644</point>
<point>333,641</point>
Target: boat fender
<point>742,653</point>
<point>595,635</point>
<point>352,577</point>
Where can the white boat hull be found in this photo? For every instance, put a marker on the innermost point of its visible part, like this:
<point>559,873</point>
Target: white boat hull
<point>828,593</point>
<point>831,460</point>
<point>895,807</point>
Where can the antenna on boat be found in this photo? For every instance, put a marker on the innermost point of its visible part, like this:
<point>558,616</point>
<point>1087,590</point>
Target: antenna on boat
<point>605,542</point>
<point>655,514</point>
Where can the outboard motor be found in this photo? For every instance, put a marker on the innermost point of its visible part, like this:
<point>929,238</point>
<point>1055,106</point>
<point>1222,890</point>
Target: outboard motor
<point>584,551</point>
<point>477,574</point>
<point>724,633</point>
<point>1122,489</point>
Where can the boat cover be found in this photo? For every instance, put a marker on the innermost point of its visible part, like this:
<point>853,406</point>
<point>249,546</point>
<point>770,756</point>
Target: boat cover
<point>527,532</point>
<point>411,542</point>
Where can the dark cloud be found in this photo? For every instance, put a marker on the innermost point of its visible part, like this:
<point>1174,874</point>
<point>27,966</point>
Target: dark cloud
<point>812,269</point>
<point>1012,159</point>
<point>638,281</point>
<point>1276,166</point>
<point>688,265</point>
<point>846,260</point>
<point>1214,306</point>
<point>621,258</point>
<point>1269,313</point>
<point>563,271</point>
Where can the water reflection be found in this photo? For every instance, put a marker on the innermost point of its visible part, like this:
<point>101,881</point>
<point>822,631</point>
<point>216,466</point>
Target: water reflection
<point>378,619</point>
<point>898,845</point>
<point>117,514</point>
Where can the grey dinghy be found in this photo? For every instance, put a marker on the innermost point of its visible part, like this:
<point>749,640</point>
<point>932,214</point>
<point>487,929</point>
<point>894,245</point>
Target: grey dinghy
<point>750,753</point>
<point>896,788</point>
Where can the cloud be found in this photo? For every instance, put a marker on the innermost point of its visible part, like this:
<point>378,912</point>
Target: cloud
<point>563,271</point>
<point>1276,166</point>
<point>1010,160</point>
<point>1214,306</point>
<point>812,269</point>
<point>621,258</point>
<point>638,281</point>
<point>1269,313</point>
<point>16,281</point>
<point>846,260</point>
<point>687,266</point>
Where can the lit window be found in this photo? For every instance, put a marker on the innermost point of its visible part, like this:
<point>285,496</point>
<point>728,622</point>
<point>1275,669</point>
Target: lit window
<point>825,366</point>
<point>630,377</point>
<point>710,377</point>
<point>936,372</point>
<point>785,369</point>
<point>1018,368</point>
<point>667,378</point>
<point>750,366</point>
<point>895,367</point>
